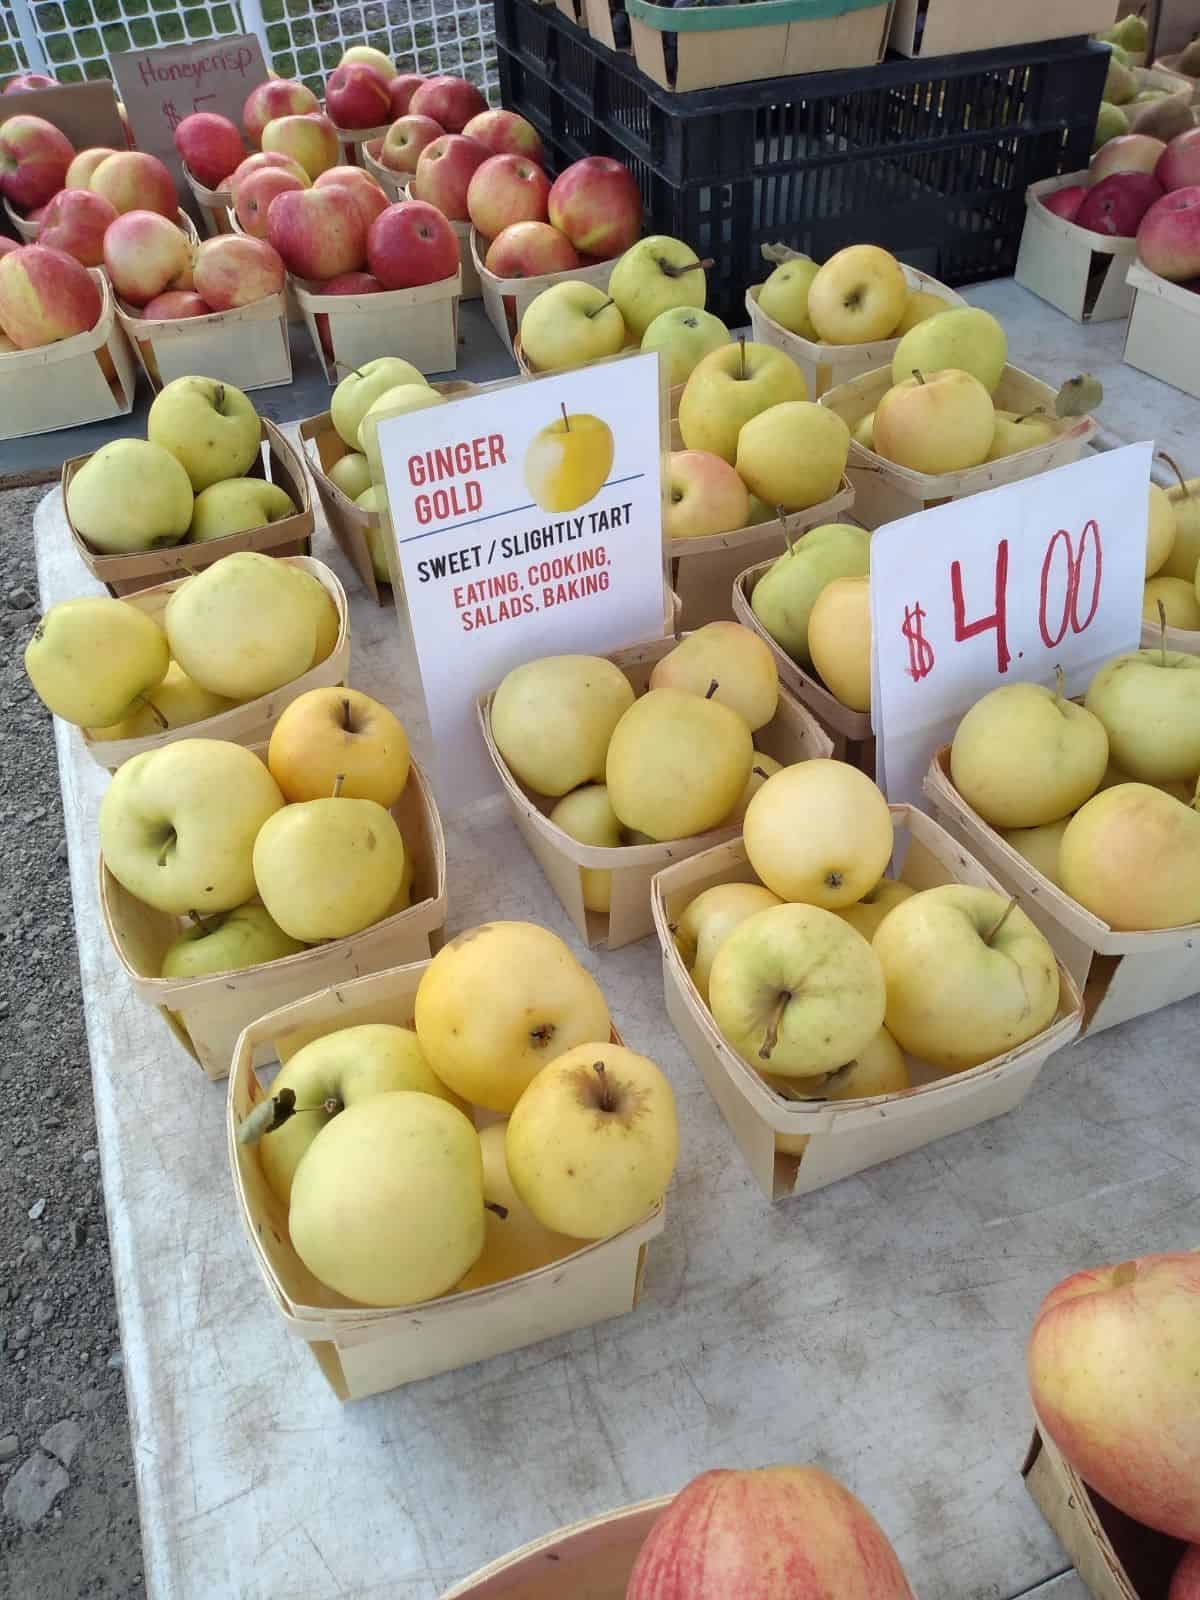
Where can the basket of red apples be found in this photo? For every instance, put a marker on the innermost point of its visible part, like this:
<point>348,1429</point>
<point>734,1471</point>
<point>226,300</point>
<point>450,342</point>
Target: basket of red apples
<point>210,148</point>
<point>1164,324</point>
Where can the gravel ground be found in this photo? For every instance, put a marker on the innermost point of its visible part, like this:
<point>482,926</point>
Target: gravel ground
<point>69,1523</point>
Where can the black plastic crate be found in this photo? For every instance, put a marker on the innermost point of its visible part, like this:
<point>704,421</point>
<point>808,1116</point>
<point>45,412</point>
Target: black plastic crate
<point>930,159</point>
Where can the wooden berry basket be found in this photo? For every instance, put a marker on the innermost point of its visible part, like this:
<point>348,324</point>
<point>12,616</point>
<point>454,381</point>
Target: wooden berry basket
<point>846,1136</point>
<point>703,571</point>
<point>947,27</point>
<point>421,325</point>
<point>247,346</point>
<point>213,204</point>
<point>1185,640</point>
<point>364,1350</point>
<point>853,737</point>
<point>506,300</point>
<point>90,377</point>
<point>208,1014</point>
<point>1163,338</point>
<point>353,141</point>
<point>885,491</point>
<point>1121,975</point>
<point>392,183</point>
<point>591,1561</point>
<point>1170,64</point>
<point>792,735</point>
<point>25,228</point>
<point>290,536</point>
<point>825,365</point>
<point>251,722</point>
<point>1079,272</point>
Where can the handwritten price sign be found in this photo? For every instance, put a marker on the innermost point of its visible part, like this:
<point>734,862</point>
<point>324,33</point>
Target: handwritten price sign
<point>1002,587</point>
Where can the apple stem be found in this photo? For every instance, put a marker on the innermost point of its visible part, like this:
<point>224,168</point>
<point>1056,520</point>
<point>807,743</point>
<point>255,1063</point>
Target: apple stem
<point>1038,411</point>
<point>199,922</point>
<point>337,785</point>
<point>742,356</point>
<point>918,375</point>
<point>1174,466</point>
<point>1162,632</point>
<point>496,1209</point>
<point>347,717</point>
<point>603,307</point>
<point>1060,679</point>
<point>1007,912</point>
<point>712,689</point>
<point>277,1109</point>
<point>163,724</point>
<point>566,418</point>
<point>760,772</point>
<point>781,513</point>
<point>342,366</point>
<point>678,272</point>
<point>168,844</point>
<point>607,1103</point>
<point>771,1036</point>
<point>219,397</point>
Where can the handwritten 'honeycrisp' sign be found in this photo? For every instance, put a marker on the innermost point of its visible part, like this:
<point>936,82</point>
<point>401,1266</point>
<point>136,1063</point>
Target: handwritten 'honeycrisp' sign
<point>160,87</point>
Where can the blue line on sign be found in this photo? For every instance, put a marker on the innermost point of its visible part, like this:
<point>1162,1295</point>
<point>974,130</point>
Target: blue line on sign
<point>511,512</point>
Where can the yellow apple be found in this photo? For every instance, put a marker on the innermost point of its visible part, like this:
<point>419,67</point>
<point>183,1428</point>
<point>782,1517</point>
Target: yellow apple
<point>586,815</point>
<point>362,386</point>
<point>1161,532</point>
<point>369,57</point>
<point>1149,703</point>
<point>879,1068</point>
<point>516,1242</point>
<point>962,339</point>
<point>552,720</point>
<point>1131,856</point>
<point>820,832</point>
<point>210,427</point>
<point>400,401</point>
<point>334,733</point>
<point>568,462</point>
<point>859,295</point>
<point>726,662</point>
<point>709,920</point>
<point>943,423</point>
<point>684,335</point>
<point>1039,846</point>
<point>866,914</point>
<point>921,306</point>
<point>655,275</point>
<point>839,640</point>
<point>243,626</point>
<point>328,868</point>
<point>237,505</point>
<point>1184,558</point>
<point>1015,433</point>
<point>863,431</point>
<point>130,495</point>
<point>764,767</point>
<point>92,661</point>
<point>351,473</point>
<point>785,594</point>
<point>227,941</point>
<point>793,455</point>
<point>569,325</point>
<point>176,702</point>
<point>1179,600</point>
<point>784,296</point>
<point>729,387</point>
<point>329,624</point>
<point>677,764</point>
<point>704,495</point>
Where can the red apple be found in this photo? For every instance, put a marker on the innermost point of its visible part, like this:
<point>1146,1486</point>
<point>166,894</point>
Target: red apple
<point>45,295</point>
<point>1066,202</point>
<point>34,157</point>
<point>405,141</point>
<point>450,101</point>
<point>76,220</point>
<point>401,90</point>
<point>278,97</point>
<point>8,245</point>
<point>411,244</point>
<point>529,250</point>
<point>29,80</point>
<point>504,190</point>
<point>1179,165</point>
<point>361,186</point>
<point>1114,1372</point>
<point>232,270</point>
<point>1128,152</point>
<point>253,195</point>
<point>144,255</point>
<point>267,158</point>
<point>319,232</point>
<point>210,146</point>
<point>79,173</point>
<point>1116,205</point>
<point>353,283</point>
<point>357,97</point>
<point>505,133</point>
<point>175,303</point>
<point>310,139</point>
<point>778,1533</point>
<point>1168,240</point>
<point>131,180</point>
<point>596,203</point>
<point>1185,1582</point>
<point>444,174</point>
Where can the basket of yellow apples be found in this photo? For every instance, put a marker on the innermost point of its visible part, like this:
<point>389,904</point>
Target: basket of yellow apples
<point>233,881</point>
<point>1091,822</point>
<point>938,1001</point>
<point>1172,566</point>
<point>845,317</point>
<point>210,478</point>
<point>218,654</point>
<point>614,766</point>
<point>445,1167</point>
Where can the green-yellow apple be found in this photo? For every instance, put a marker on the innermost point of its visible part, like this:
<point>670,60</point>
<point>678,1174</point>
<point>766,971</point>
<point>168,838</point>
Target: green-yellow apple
<point>963,339</point>
<point>866,914</point>
<point>92,661</point>
<point>236,505</point>
<point>359,390</point>
<point>374,500</point>
<point>794,454</point>
<point>921,306</point>
<point>387,1204</point>
<point>567,462</point>
<point>1015,433</point>
<point>760,512</point>
<point>586,815</point>
<point>764,767</point>
<point>655,275</point>
<point>397,402</point>
<point>784,596</point>
<point>175,703</point>
<point>210,427</point>
<point>1111,123</point>
<point>516,1241</point>
<point>369,57</point>
<point>228,941</point>
<point>705,495</point>
<point>334,733</point>
<point>878,1068</point>
<point>724,661</point>
<point>131,495</point>
<point>1179,600</point>
<point>1131,856</point>
<point>326,869</point>
<point>1039,846</point>
<point>863,431</point>
<point>784,296</point>
<point>796,991</point>
<point>968,975</point>
<point>1024,755</point>
<point>1114,1374</point>
<point>498,1003</point>
<point>569,325</point>
<point>351,473</point>
<point>1149,703</point>
<point>339,1070</point>
<point>839,640</point>
<point>709,920</point>
<point>821,832</point>
<point>552,720</point>
<point>329,623</point>
<point>684,335</point>
<point>178,824</point>
<point>858,295</point>
<point>677,764</point>
<point>1162,528</point>
<point>943,423</point>
<point>242,627</point>
<point>593,1141</point>
<point>1184,558</point>
<point>308,137</point>
<point>729,387</point>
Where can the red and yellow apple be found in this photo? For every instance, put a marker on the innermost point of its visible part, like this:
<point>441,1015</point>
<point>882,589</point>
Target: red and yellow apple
<point>505,133</point>
<point>597,204</point>
<point>254,193</point>
<point>704,496</point>
<point>444,172</point>
<point>45,295</point>
<point>79,173</point>
<point>530,250</point>
<point>357,97</point>
<point>1168,239</point>
<point>318,232</point>
<point>450,101</point>
<point>173,304</point>
<point>76,220</point>
<point>133,180</point>
<point>210,146</point>
<point>361,187</point>
<point>144,255</point>
<point>401,89</point>
<point>310,139</point>
<point>233,270</point>
<point>34,157</point>
<point>411,244</point>
<point>505,190</point>
<point>404,141</point>
<point>278,97</point>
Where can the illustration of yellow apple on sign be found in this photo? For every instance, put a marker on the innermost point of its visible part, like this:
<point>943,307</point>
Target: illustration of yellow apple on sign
<point>568,463</point>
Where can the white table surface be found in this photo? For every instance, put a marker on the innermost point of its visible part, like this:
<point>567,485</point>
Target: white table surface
<point>876,1328</point>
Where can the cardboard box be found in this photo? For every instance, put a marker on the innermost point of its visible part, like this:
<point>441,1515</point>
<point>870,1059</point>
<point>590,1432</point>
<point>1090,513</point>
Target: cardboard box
<point>86,112</point>
<point>208,1014</point>
<point>1164,330</point>
<point>1121,975</point>
<point>591,1561</point>
<point>88,378</point>
<point>507,299</point>
<point>419,324</point>
<point>290,536</point>
<point>251,722</point>
<point>363,1350</point>
<point>1080,272</point>
<point>946,27</point>
<point>792,735</point>
<point>843,1136</point>
<point>247,347</point>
